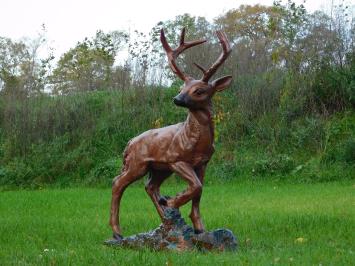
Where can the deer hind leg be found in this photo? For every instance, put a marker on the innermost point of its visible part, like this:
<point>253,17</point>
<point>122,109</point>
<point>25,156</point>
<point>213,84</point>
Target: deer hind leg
<point>195,207</point>
<point>156,178</point>
<point>120,183</point>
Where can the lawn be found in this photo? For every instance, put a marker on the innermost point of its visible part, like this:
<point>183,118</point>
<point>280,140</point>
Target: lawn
<point>276,223</point>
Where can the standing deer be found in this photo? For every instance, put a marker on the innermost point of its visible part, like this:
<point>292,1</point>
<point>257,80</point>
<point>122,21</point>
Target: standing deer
<point>184,148</point>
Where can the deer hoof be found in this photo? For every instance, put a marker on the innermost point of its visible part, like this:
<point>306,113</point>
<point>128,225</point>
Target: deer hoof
<point>198,231</point>
<point>116,240</point>
<point>163,200</point>
<point>117,236</point>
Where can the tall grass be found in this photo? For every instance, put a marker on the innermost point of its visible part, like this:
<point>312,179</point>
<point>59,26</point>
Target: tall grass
<point>79,138</point>
<point>69,135</point>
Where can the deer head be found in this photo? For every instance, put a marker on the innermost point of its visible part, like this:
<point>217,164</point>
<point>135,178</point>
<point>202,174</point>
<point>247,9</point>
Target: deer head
<point>197,94</point>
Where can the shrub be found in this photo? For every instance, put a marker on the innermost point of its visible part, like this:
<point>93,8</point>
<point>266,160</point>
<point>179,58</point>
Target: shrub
<point>349,151</point>
<point>280,164</point>
<point>104,172</point>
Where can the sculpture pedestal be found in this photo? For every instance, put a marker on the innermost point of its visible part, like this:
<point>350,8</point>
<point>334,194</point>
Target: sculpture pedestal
<point>175,234</point>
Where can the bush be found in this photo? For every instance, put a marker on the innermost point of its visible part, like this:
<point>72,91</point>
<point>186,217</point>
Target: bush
<point>16,173</point>
<point>79,139</point>
<point>104,172</point>
<point>340,140</point>
<point>349,151</point>
<point>314,171</point>
<point>280,164</point>
<point>334,86</point>
<point>343,152</point>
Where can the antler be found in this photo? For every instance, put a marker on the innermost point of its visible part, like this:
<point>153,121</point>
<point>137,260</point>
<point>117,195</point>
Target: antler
<point>207,74</point>
<point>174,53</point>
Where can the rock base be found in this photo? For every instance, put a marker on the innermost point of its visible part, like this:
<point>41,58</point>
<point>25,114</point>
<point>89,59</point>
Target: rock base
<point>175,234</point>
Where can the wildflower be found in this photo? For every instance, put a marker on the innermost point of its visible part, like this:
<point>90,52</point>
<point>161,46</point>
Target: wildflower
<point>300,240</point>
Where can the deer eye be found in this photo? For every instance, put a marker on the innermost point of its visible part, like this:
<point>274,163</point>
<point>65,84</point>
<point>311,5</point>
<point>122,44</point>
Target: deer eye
<point>199,91</point>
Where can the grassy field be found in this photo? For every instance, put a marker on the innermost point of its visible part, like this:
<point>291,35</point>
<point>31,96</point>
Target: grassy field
<point>276,223</point>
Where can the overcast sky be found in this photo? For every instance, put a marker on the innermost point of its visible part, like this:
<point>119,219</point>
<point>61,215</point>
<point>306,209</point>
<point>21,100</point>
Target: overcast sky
<point>69,21</point>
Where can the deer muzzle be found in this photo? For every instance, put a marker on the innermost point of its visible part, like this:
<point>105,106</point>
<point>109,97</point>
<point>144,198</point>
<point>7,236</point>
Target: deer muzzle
<point>180,100</point>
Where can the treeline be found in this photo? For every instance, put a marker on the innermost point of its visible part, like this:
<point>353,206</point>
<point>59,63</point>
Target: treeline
<point>289,111</point>
<point>265,39</point>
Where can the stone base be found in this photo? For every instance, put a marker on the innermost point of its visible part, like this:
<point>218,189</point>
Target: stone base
<point>175,234</point>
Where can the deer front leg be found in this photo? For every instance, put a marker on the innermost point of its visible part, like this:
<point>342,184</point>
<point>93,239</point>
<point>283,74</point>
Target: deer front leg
<point>185,171</point>
<point>195,207</point>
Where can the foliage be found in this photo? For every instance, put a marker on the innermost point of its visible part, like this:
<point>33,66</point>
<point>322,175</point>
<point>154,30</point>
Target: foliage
<point>83,136</point>
<point>334,87</point>
<point>89,66</point>
<point>282,164</point>
<point>22,71</point>
<point>339,145</point>
<point>104,172</point>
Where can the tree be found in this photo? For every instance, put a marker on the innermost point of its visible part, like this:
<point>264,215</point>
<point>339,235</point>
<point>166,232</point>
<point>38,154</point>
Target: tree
<point>22,71</point>
<point>89,65</point>
<point>12,56</point>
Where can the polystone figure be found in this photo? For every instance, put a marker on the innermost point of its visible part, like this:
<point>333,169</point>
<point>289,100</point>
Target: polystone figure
<point>185,149</point>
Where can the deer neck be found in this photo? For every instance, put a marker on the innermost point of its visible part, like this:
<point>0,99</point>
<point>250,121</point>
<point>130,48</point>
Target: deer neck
<point>200,121</point>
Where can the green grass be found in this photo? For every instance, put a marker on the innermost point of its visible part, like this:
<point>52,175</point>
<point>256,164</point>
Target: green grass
<point>266,217</point>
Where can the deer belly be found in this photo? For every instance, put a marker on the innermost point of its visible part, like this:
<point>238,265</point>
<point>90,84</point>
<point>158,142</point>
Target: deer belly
<point>159,166</point>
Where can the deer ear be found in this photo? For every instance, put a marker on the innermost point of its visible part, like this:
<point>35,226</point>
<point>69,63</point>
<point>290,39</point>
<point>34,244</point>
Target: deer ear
<point>221,83</point>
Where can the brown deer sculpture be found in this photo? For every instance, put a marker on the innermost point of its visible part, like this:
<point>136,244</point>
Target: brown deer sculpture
<point>184,148</point>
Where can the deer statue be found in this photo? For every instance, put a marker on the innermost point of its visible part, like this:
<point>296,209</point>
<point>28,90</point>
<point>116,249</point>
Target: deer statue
<point>184,148</point>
